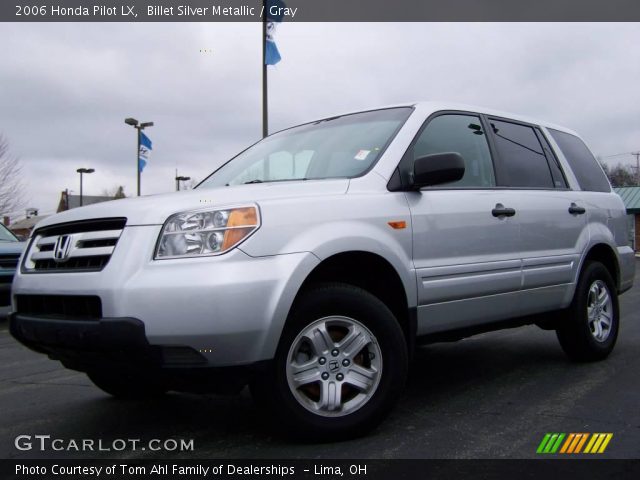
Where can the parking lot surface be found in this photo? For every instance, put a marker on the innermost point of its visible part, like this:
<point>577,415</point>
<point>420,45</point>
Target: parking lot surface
<point>489,396</point>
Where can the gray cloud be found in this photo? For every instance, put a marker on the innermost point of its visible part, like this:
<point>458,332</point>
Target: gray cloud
<point>66,88</point>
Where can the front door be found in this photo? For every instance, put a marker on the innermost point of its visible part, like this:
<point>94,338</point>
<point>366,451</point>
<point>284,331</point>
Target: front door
<point>465,243</point>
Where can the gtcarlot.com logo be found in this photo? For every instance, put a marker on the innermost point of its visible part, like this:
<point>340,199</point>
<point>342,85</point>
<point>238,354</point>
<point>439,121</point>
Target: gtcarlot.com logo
<point>574,443</point>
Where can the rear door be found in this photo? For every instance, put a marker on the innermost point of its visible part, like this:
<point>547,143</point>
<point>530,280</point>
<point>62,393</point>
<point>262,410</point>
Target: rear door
<point>551,216</point>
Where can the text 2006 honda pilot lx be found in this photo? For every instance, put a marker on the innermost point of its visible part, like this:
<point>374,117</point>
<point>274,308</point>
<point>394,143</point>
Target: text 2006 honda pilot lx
<point>310,265</point>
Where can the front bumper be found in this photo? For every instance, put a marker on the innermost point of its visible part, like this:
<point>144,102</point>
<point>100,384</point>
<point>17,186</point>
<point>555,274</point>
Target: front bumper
<point>90,335</point>
<point>120,345</point>
<point>230,308</point>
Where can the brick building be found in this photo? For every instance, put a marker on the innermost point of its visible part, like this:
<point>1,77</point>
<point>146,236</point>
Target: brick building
<point>631,198</point>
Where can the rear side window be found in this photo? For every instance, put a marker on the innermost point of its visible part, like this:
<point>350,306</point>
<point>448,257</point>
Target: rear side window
<point>521,155</point>
<point>556,172</point>
<point>584,165</point>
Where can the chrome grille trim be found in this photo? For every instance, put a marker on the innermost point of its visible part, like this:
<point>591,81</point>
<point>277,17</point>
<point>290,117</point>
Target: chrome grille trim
<point>70,252</point>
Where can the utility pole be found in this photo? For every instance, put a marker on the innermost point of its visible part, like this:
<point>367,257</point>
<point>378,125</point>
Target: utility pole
<point>637,155</point>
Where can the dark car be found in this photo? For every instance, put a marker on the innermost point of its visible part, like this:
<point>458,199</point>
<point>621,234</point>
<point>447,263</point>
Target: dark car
<point>10,250</point>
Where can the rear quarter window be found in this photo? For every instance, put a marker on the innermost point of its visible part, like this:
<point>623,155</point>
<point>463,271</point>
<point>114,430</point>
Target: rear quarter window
<point>584,165</point>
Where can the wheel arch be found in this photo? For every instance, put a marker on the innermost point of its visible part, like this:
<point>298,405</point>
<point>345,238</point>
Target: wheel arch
<point>373,273</point>
<point>605,254</point>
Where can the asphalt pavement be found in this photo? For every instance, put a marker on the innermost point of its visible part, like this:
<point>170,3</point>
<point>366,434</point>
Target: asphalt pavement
<point>490,396</point>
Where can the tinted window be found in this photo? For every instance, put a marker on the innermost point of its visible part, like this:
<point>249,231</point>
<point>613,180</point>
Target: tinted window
<point>521,155</point>
<point>584,165</point>
<point>462,134</point>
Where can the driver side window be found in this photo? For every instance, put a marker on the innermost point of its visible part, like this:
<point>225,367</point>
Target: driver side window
<point>462,134</point>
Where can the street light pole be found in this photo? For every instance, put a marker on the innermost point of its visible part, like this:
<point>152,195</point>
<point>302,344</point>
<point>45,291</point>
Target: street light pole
<point>82,171</point>
<point>139,127</point>
<point>180,179</point>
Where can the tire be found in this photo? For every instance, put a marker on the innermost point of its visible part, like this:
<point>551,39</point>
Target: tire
<point>322,385</point>
<point>125,386</point>
<point>591,329</point>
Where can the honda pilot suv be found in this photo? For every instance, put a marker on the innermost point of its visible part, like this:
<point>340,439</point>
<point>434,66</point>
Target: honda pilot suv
<point>311,265</point>
<point>10,250</point>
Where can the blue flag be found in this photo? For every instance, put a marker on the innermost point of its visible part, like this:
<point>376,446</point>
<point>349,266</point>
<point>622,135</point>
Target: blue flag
<point>145,150</point>
<point>271,54</point>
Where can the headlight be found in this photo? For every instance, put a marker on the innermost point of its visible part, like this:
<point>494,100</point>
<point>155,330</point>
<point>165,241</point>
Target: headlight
<point>206,232</point>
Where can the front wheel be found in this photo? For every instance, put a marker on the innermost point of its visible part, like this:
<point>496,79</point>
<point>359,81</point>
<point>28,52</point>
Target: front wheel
<point>591,329</point>
<point>340,365</point>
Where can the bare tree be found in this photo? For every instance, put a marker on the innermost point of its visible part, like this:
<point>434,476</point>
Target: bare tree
<point>11,185</point>
<point>190,185</point>
<point>620,175</point>
<point>116,191</point>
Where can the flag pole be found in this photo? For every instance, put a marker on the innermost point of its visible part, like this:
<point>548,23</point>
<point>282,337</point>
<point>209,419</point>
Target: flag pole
<point>265,102</point>
<point>138,159</point>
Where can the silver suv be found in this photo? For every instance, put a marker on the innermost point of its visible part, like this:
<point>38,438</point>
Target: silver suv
<point>311,265</point>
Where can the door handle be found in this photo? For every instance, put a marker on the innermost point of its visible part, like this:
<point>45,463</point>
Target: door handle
<point>576,210</point>
<point>501,211</point>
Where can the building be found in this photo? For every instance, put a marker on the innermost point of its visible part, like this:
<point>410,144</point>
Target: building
<point>22,228</point>
<point>631,198</point>
<point>69,201</point>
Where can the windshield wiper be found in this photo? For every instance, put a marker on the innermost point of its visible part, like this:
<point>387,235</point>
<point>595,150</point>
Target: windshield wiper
<point>328,119</point>
<point>256,180</point>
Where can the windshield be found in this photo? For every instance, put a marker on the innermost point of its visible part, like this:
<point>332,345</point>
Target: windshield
<point>338,147</point>
<point>6,235</point>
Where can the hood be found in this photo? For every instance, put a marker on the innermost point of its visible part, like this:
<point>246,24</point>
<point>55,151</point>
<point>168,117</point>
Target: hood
<point>155,209</point>
<point>11,247</point>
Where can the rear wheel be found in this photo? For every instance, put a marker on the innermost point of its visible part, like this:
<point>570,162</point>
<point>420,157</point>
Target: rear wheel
<point>591,329</point>
<point>340,365</point>
<point>125,386</point>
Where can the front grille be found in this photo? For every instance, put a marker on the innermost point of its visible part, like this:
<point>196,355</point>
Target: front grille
<point>79,263</point>
<point>9,261</point>
<point>73,247</point>
<point>67,306</point>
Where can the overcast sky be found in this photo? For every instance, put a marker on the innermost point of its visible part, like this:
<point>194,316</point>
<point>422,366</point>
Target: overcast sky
<point>65,89</point>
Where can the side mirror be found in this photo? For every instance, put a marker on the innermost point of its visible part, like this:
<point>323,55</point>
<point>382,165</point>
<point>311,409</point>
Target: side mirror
<point>437,168</point>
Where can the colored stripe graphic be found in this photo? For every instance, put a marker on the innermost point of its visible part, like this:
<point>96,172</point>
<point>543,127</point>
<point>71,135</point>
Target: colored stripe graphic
<point>605,443</point>
<point>598,443</point>
<point>594,437</point>
<point>556,445</point>
<point>581,442</point>
<point>550,443</point>
<point>573,443</point>
<point>576,439</point>
<point>568,442</point>
<point>543,443</point>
